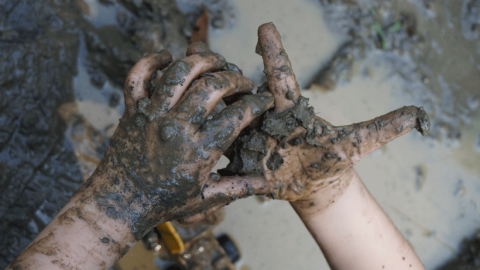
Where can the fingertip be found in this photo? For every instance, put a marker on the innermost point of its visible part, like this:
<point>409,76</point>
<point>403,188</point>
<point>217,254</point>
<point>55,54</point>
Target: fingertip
<point>137,82</point>
<point>164,55</point>
<point>196,48</point>
<point>280,76</point>
<point>266,27</point>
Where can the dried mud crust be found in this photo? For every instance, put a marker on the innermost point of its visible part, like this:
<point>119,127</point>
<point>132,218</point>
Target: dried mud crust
<point>39,43</point>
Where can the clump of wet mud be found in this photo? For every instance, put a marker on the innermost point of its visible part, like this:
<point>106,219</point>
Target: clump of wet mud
<point>39,43</point>
<point>248,150</point>
<point>468,255</point>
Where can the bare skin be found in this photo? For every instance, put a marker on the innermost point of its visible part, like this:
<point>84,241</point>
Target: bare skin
<point>157,167</point>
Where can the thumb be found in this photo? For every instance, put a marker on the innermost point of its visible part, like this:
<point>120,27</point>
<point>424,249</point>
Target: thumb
<point>220,191</point>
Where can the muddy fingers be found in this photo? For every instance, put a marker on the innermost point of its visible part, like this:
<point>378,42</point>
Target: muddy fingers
<point>159,159</point>
<point>200,47</point>
<point>196,48</point>
<point>179,75</point>
<point>236,187</point>
<point>222,130</point>
<point>221,191</point>
<point>368,136</point>
<point>280,77</point>
<point>205,94</point>
<point>137,83</point>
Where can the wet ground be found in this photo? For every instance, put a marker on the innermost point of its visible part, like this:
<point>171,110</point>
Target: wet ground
<point>62,66</point>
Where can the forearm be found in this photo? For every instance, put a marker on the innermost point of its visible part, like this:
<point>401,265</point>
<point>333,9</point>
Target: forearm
<point>354,232</point>
<point>79,237</point>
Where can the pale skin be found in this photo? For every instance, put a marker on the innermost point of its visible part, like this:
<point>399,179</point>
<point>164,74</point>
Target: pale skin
<point>158,166</point>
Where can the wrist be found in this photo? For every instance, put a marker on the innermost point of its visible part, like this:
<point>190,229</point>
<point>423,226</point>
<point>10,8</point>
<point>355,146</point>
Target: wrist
<point>112,196</point>
<point>324,197</point>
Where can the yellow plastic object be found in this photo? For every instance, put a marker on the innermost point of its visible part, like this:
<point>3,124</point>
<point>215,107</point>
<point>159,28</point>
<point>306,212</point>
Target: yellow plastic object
<point>171,238</point>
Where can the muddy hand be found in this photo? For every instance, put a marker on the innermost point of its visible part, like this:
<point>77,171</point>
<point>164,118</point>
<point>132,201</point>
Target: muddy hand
<point>161,155</point>
<point>302,153</point>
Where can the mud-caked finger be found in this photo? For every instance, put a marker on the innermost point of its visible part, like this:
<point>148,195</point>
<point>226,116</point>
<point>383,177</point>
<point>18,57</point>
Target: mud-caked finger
<point>196,48</point>
<point>200,47</point>
<point>219,132</point>
<point>366,137</point>
<point>137,83</point>
<point>223,190</point>
<point>204,95</point>
<point>280,77</point>
<point>226,189</point>
<point>179,75</point>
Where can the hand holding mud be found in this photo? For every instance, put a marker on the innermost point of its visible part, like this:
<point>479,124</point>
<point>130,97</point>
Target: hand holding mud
<point>301,154</point>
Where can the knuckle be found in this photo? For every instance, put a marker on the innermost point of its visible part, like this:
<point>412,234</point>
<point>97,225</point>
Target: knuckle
<point>214,83</point>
